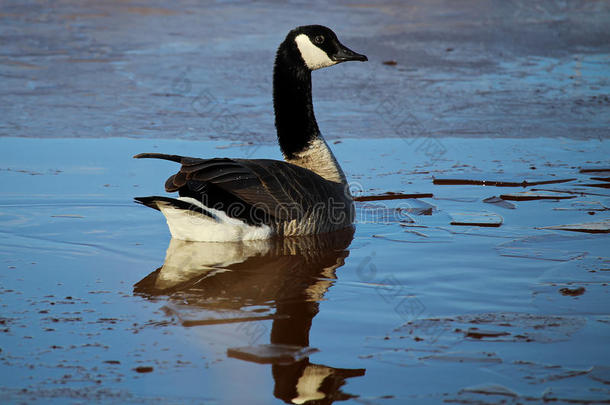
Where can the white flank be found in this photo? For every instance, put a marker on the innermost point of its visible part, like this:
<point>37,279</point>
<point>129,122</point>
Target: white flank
<point>314,57</point>
<point>196,227</point>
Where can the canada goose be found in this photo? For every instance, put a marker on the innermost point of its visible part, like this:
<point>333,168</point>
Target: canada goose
<point>225,199</point>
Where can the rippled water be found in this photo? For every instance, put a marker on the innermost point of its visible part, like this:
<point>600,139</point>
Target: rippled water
<point>99,304</point>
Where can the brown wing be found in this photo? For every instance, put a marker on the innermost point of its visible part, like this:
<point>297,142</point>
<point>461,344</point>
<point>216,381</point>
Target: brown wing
<point>281,190</point>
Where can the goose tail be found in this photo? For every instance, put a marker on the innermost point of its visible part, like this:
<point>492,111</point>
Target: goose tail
<point>173,158</point>
<point>158,203</point>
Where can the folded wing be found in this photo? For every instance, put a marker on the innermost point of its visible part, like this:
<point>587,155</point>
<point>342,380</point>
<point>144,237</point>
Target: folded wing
<point>254,190</point>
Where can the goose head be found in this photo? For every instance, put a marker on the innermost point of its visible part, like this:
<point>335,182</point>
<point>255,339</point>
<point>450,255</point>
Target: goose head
<point>316,46</point>
<point>305,48</point>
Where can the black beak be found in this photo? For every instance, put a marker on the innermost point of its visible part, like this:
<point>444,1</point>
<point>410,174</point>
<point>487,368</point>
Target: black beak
<point>345,54</point>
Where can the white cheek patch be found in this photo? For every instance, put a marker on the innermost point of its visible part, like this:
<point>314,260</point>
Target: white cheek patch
<point>314,57</point>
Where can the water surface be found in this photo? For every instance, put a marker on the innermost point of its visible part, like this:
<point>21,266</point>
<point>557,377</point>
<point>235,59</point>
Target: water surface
<point>99,304</point>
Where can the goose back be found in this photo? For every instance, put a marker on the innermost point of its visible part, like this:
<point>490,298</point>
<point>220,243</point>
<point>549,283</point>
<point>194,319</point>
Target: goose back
<point>288,198</point>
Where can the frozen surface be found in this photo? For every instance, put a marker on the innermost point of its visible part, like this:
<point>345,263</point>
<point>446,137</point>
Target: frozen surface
<point>99,305</point>
<point>202,69</point>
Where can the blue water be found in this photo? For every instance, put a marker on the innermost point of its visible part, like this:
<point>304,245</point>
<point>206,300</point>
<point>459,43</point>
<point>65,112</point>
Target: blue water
<point>398,308</point>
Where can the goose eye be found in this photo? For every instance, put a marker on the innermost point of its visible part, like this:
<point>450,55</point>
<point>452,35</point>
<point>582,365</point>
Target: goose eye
<point>319,39</point>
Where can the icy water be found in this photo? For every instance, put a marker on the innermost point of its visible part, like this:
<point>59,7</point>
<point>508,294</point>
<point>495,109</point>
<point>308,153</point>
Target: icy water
<point>453,296</point>
<point>476,141</point>
<point>202,70</point>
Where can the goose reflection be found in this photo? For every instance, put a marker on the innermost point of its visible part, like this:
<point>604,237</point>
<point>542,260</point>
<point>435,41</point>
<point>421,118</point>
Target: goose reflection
<point>244,282</point>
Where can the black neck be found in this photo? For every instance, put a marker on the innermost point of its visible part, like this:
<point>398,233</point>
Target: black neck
<point>294,117</point>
